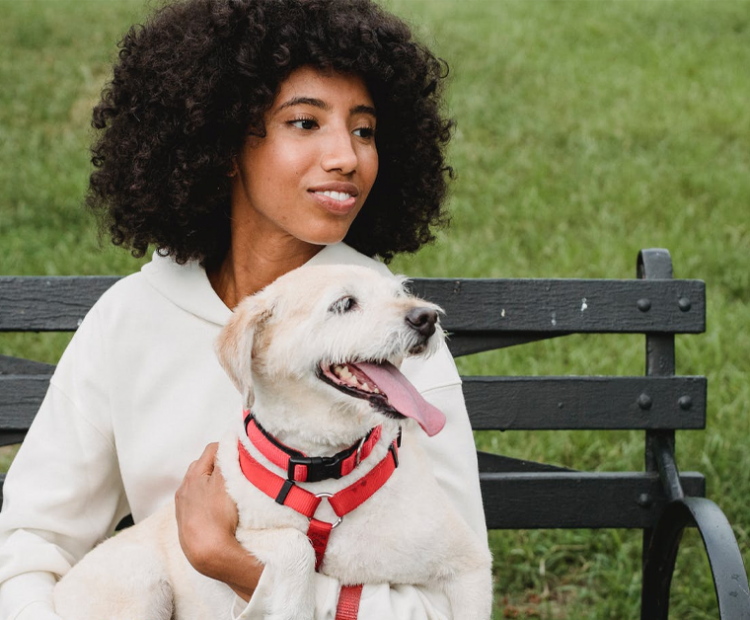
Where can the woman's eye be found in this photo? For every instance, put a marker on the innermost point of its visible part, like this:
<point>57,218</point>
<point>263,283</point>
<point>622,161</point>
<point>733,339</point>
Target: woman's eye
<point>364,132</point>
<point>304,123</point>
<point>343,305</point>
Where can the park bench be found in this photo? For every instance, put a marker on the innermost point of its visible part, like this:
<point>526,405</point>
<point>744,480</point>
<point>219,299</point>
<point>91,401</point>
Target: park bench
<point>486,314</point>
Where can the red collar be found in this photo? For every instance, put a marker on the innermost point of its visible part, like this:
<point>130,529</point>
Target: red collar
<point>287,493</point>
<point>303,468</point>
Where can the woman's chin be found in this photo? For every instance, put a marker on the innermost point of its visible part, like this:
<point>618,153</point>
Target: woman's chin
<point>326,234</point>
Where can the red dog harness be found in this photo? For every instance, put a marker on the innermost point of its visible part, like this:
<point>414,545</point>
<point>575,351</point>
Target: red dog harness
<point>287,493</point>
<point>301,468</point>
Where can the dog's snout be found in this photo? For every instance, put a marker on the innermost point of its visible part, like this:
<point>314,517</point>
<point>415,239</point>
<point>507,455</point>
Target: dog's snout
<point>423,320</point>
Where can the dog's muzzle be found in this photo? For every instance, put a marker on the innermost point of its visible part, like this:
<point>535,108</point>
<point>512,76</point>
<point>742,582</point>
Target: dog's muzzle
<point>423,321</point>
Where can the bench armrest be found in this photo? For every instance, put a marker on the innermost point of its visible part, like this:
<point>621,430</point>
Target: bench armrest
<point>727,568</point>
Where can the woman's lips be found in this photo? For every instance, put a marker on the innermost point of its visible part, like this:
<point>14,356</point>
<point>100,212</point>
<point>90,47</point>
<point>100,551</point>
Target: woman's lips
<point>338,198</point>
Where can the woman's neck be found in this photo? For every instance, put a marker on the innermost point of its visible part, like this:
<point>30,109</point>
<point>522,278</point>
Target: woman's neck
<point>249,267</point>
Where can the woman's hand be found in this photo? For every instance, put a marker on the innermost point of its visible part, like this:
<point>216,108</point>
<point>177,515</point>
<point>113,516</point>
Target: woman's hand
<point>207,520</point>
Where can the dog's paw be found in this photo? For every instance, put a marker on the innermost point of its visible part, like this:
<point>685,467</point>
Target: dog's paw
<point>290,608</point>
<point>298,604</point>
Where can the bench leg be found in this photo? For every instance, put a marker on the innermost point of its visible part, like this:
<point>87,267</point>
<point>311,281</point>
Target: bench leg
<point>730,579</point>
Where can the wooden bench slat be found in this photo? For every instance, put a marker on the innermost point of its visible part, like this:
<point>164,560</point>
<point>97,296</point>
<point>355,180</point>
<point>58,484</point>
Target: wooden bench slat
<point>466,343</point>
<point>550,306</point>
<point>585,403</point>
<point>20,366</point>
<point>20,397</point>
<point>578,499</point>
<point>495,463</point>
<point>497,403</point>
<point>42,304</point>
<point>568,305</point>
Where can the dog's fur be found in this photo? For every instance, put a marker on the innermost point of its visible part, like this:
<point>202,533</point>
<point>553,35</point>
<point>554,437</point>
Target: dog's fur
<point>407,533</point>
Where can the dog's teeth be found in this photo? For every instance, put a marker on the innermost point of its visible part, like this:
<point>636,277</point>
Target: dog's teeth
<point>342,372</point>
<point>348,378</point>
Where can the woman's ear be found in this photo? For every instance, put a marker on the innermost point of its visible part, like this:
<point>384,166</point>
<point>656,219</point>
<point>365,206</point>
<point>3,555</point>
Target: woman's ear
<point>234,346</point>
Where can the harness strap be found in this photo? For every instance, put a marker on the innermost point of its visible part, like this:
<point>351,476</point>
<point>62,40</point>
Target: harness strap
<point>358,493</point>
<point>287,493</point>
<point>319,532</point>
<point>284,492</point>
<point>303,468</point>
<point>348,606</point>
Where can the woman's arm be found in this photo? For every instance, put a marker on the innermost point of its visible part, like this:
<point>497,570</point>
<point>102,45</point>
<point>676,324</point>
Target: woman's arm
<point>63,493</point>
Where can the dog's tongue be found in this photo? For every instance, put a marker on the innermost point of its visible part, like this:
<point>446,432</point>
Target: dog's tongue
<point>403,396</point>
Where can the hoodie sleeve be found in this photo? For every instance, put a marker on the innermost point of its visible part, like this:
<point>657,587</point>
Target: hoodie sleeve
<point>453,455</point>
<point>63,492</point>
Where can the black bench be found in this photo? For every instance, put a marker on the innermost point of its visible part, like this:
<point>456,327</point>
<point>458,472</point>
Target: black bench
<point>482,315</point>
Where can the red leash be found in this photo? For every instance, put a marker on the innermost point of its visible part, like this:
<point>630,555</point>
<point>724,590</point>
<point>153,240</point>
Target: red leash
<point>348,606</point>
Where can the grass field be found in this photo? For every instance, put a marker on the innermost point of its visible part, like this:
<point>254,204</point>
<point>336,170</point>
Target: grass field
<point>586,131</point>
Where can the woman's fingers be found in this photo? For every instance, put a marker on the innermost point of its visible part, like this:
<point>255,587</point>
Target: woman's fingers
<point>207,520</point>
<point>206,462</point>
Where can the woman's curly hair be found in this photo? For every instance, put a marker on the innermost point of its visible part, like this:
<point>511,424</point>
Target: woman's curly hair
<point>192,82</point>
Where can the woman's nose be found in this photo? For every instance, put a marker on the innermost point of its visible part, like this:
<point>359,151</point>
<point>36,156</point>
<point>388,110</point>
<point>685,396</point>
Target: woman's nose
<point>340,154</point>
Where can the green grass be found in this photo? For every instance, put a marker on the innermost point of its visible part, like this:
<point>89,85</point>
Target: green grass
<point>586,131</point>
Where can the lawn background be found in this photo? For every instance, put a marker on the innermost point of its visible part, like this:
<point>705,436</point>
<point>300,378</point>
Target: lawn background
<point>586,131</point>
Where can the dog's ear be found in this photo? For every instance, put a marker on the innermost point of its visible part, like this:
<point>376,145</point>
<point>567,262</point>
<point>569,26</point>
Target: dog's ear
<point>234,347</point>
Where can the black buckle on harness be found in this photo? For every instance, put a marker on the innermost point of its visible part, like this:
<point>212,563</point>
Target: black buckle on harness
<point>318,467</point>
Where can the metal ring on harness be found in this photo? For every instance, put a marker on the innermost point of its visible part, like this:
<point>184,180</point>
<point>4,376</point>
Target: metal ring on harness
<point>328,496</point>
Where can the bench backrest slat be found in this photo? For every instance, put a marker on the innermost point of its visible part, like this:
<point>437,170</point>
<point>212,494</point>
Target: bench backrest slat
<point>579,499</point>
<point>545,307</point>
<point>585,403</point>
<point>568,306</point>
<point>20,397</point>
<point>499,403</point>
<point>20,366</point>
<point>48,304</point>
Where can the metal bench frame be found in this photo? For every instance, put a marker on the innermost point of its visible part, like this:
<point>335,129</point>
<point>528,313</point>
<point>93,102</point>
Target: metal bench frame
<point>486,314</point>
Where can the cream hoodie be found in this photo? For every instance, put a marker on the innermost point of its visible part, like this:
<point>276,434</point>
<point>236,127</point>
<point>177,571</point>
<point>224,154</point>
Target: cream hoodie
<point>136,397</point>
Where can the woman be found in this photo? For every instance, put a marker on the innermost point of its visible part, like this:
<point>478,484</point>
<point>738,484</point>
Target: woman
<point>242,139</point>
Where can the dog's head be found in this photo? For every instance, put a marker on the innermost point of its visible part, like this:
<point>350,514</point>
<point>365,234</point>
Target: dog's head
<point>316,353</point>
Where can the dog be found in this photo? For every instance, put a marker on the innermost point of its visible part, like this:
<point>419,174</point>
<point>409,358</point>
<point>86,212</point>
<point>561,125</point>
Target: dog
<point>315,356</point>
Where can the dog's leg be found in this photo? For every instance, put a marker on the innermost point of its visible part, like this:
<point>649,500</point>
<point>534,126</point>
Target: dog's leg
<point>470,594</point>
<point>125,586</point>
<point>291,558</point>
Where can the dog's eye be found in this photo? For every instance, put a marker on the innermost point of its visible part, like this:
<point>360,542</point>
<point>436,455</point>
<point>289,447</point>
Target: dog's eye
<point>404,290</point>
<point>343,305</point>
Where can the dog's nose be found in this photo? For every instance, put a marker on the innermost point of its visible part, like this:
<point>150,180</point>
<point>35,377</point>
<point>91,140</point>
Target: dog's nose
<point>423,320</point>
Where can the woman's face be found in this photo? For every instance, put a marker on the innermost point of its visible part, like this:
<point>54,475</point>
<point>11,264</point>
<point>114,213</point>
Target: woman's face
<point>311,173</point>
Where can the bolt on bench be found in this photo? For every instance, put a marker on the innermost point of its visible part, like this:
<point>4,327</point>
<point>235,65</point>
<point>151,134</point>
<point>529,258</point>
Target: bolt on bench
<point>483,315</point>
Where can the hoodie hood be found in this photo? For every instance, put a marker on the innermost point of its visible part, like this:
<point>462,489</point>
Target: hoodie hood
<point>187,286</point>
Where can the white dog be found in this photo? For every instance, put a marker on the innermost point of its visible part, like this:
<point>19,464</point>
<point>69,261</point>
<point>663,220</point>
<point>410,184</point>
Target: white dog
<point>315,355</point>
